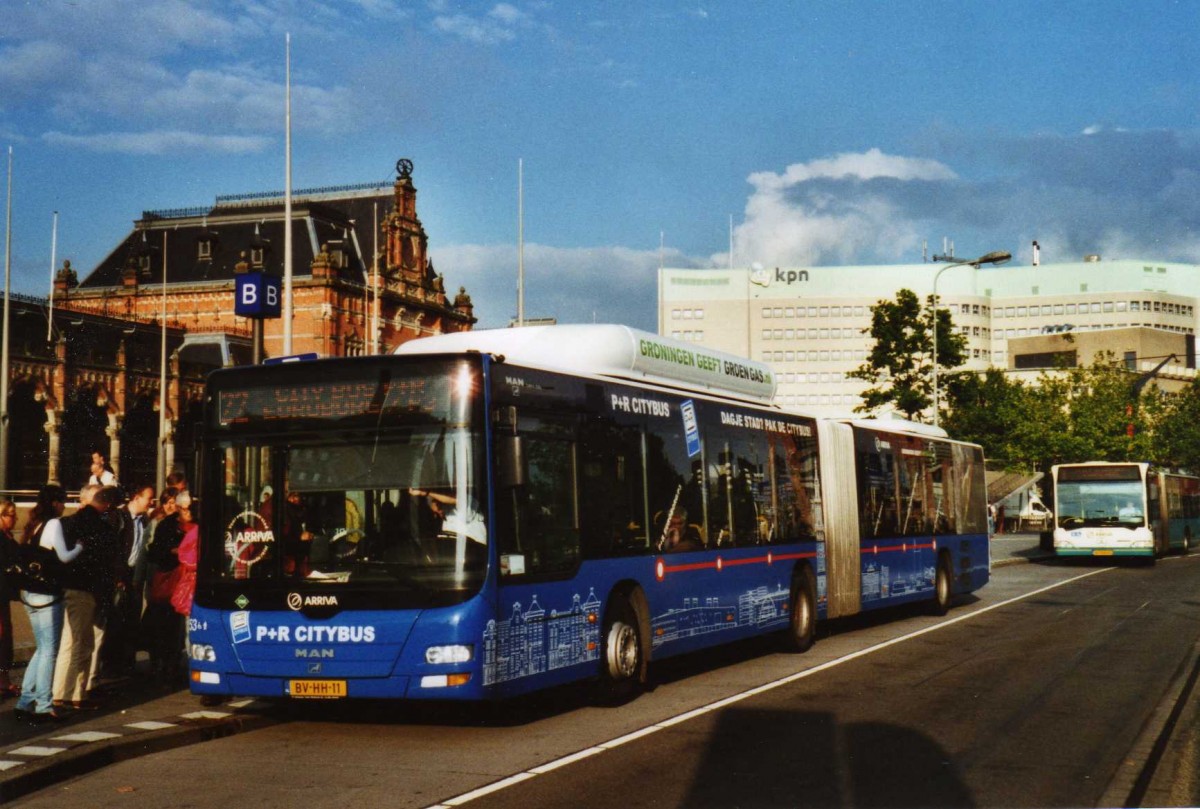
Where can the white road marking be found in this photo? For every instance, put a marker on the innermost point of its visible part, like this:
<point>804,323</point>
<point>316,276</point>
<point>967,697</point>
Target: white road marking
<point>571,758</point>
<point>206,715</point>
<point>36,750</point>
<point>151,725</point>
<point>86,736</point>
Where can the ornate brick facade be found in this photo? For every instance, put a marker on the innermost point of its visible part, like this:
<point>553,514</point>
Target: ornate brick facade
<point>95,382</point>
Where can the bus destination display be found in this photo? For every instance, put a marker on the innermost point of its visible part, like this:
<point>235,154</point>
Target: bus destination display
<point>333,400</point>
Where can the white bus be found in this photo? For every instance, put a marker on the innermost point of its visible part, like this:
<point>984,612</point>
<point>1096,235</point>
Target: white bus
<point>1123,509</point>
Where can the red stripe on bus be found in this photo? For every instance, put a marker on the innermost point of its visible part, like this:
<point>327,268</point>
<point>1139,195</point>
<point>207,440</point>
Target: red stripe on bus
<point>723,562</point>
<point>905,547</point>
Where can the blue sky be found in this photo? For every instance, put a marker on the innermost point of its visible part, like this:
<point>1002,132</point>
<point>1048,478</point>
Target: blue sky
<point>832,132</point>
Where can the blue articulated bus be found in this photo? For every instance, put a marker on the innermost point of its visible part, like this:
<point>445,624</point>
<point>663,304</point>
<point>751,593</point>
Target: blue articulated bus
<point>489,513</point>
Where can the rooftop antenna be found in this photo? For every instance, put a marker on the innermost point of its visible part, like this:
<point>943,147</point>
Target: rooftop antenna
<point>731,241</point>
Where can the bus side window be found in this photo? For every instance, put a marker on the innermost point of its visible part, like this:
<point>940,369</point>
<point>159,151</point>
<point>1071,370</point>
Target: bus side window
<point>539,519</point>
<point>796,486</point>
<point>876,489</point>
<point>738,511</point>
<point>674,482</point>
<point>613,504</point>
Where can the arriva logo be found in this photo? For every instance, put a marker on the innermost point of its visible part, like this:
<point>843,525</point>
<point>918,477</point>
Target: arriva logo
<point>298,602</point>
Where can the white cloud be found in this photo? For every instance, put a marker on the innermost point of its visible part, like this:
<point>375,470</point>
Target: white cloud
<point>124,65</point>
<point>508,14</point>
<point>825,211</point>
<point>474,29</point>
<point>499,25</point>
<point>861,166</point>
<point>159,143</point>
<point>28,67</point>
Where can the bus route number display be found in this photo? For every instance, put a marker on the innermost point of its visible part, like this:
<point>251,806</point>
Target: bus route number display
<point>330,400</point>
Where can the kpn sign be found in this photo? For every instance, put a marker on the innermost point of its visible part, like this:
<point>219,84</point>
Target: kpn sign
<point>764,278</point>
<point>257,295</point>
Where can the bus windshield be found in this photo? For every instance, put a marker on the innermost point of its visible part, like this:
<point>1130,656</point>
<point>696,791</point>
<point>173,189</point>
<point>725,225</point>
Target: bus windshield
<point>396,505</point>
<point>1093,503</point>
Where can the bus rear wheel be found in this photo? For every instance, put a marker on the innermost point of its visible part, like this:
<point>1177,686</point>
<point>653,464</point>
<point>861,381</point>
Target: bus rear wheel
<point>941,588</point>
<point>802,629</point>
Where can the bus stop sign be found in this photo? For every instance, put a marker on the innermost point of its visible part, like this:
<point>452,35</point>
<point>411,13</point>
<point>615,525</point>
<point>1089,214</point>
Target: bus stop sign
<point>257,295</point>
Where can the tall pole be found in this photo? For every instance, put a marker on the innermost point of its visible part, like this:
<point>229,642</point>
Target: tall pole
<point>160,463</point>
<point>936,276</point>
<point>375,337</point>
<point>4,340</point>
<point>662,241</point>
<point>520,241</point>
<point>53,258</point>
<point>287,209</point>
<point>998,257</point>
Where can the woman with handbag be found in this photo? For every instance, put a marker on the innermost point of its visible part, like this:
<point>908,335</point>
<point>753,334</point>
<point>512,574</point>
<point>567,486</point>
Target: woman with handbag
<point>9,552</point>
<point>44,542</point>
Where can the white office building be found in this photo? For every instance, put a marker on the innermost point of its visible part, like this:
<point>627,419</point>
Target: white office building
<point>809,322</point>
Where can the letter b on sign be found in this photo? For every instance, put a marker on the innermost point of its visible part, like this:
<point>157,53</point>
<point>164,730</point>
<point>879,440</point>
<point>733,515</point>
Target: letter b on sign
<point>256,295</point>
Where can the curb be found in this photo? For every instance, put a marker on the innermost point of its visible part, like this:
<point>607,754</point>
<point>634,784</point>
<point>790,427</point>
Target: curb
<point>64,753</point>
<point>1146,776</point>
<point>1020,560</point>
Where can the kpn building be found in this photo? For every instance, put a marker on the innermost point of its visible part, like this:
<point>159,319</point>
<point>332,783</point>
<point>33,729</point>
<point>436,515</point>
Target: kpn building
<point>811,324</point>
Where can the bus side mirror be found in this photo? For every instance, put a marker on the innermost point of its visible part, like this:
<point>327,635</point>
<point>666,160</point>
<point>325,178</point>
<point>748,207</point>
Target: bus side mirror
<point>510,455</point>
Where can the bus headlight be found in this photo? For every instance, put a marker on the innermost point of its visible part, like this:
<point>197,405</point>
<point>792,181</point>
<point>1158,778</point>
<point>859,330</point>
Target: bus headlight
<point>455,653</point>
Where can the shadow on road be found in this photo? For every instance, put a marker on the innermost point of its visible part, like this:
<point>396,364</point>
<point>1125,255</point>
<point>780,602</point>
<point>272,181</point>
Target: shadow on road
<point>806,759</point>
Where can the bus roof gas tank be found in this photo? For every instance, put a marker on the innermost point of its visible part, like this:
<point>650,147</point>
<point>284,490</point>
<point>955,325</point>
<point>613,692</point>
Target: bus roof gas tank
<point>611,350</point>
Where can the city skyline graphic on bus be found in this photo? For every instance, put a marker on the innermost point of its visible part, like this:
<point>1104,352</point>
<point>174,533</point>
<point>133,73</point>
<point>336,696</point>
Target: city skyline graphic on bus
<point>877,581</point>
<point>528,643</point>
<point>760,607</point>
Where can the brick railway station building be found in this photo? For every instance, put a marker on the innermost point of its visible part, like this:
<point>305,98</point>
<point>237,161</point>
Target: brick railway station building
<point>85,367</point>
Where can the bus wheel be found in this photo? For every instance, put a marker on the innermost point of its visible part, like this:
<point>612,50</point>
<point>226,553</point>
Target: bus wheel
<point>802,631</point>
<point>624,667</point>
<point>941,588</point>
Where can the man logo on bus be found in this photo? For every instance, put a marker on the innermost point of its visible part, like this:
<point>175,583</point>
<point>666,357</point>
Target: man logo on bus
<point>248,540</point>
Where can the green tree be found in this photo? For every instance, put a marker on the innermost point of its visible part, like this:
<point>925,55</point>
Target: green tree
<point>986,409</point>
<point>1178,432</point>
<point>1079,414</point>
<point>899,367</point>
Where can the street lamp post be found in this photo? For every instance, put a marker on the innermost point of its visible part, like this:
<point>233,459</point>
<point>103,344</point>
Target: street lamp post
<point>997,257</point>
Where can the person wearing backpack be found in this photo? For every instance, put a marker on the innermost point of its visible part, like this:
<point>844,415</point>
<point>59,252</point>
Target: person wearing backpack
<point>88,584</point>
<point>43,540</point>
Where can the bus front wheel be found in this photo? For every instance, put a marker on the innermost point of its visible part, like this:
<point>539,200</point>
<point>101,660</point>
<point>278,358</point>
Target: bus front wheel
<point>624,668</point>
<point>802,630</point>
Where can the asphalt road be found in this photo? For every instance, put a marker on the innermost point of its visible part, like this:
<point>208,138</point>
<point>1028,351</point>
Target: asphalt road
<point>1038,692</point>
